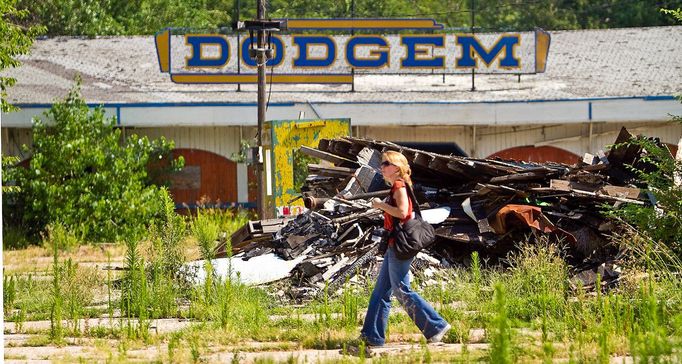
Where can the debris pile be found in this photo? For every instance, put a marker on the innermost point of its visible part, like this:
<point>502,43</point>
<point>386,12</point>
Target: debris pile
<point>484,205</point>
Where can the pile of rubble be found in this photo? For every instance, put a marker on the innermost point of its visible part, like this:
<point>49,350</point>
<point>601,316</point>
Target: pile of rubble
<point>483,205</point>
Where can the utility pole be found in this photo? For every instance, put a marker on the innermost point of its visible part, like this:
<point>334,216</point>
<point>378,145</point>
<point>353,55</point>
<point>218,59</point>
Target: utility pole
<point>261,53</point>
<point>261,60</point>
<point>473,18</point>
<point>239,50</point>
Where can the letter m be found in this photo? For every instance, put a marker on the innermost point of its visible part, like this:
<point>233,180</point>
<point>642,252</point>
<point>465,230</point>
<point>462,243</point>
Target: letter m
<point>471,45</point>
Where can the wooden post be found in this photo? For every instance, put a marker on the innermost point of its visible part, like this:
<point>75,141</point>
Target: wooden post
<point>678,157</point>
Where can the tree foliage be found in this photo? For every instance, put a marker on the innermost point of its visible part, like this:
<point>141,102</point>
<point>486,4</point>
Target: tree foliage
<point>16,40</point>
<point>82,175</point>
<point>573,14</point>
<point>663,222</point>
<point>116,17</point>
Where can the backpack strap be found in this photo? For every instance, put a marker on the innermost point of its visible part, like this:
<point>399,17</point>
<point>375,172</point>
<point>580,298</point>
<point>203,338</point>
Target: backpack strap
<point>415,204</point>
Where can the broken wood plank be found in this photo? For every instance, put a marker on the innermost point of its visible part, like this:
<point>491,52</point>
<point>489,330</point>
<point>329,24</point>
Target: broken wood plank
<point>517,177</point>
<point>329,157</point>
<point>330,171</point>
<point>563,185</point>
<point>618,191</point>
<point>609,190</point>
<point>607,197</point>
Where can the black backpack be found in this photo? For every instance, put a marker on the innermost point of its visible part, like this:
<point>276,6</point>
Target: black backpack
<point>415,234</point>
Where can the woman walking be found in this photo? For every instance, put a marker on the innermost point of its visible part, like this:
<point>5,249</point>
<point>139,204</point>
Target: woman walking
<point>393,277</point>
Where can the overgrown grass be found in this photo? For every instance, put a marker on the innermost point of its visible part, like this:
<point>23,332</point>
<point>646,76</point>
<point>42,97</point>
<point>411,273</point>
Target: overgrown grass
<point>528,309</point>
<point>536,282</point>
<point>227,220</point>
<point>206,230</point>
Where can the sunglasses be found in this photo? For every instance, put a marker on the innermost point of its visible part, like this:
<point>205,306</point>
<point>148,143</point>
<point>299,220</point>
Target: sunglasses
<point>386,164</point>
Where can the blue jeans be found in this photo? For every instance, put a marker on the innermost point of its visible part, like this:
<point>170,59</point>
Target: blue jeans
<point>394,279</point>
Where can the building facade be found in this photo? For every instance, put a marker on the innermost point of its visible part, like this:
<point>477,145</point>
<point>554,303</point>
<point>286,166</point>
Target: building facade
<point>596,81</point>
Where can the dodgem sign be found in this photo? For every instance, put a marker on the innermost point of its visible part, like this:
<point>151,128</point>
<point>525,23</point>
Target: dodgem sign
<point>324,58</point>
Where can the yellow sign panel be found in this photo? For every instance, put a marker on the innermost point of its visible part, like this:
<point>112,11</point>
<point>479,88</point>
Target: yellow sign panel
<point>286,137</point>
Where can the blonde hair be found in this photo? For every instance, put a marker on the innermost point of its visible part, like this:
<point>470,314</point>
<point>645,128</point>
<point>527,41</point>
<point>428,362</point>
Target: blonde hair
<point>399,160</point>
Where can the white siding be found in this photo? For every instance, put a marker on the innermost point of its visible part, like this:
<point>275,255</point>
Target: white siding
<point>574,138</point>
<point>225,140</point>
<point>222,140</point>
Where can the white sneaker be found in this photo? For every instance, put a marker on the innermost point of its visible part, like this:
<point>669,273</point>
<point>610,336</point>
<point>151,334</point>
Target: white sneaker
<point>439,336</point>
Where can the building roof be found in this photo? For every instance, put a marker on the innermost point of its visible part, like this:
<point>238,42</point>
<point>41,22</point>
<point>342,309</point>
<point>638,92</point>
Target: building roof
<point>581,64</point>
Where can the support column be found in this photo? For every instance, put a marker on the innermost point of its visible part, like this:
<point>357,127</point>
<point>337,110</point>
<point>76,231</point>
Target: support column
<point>473,141</point>
<point>5,141</point>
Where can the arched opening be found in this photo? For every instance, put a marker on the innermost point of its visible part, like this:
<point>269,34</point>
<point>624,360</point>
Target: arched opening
<point>206,175</point>
<point>672,148</point>
<point>529,153</point>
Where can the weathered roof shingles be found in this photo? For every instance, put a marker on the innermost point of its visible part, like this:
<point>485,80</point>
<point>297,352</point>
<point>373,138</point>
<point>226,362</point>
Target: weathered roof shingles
<point>581,64</point>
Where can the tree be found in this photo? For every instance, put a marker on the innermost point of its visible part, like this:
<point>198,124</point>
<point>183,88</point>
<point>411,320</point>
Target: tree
<point>661,223</point>
<point>83,176</point>
<point>16,40</point>
<point>110,17</point>
<point>118,17</point>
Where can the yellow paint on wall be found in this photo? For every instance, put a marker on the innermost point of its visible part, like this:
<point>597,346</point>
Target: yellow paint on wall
<point>542,41</point>
<point>287,137</point>
<point>162,40</point>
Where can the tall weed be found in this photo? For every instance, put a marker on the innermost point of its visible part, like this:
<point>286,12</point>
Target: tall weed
<point>500,330</point>
<point>349,308</point>
<point>537,283</point>
<point>206,231</point>
<point>135,295</point>
<point>59,237</point>
<point>79,286</point>
<point>57,299</point>
<point>650,341</point>
<point>167,251</point>
<point>165,260</point>
<point>234,306</point>
<point>9,293</point>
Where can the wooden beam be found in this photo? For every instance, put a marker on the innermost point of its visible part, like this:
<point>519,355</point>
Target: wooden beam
<point>330,171</point>
<point>329,157</point>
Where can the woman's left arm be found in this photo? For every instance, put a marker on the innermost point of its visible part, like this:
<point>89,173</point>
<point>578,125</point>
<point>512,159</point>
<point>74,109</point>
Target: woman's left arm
<point>402,204</point>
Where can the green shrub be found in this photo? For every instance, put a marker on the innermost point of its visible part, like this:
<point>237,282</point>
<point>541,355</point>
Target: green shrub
<point>58,237</point>
<point>14,236</point>
<point>83,175</point>
<point>657,170</point>
<point>206,231</point>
